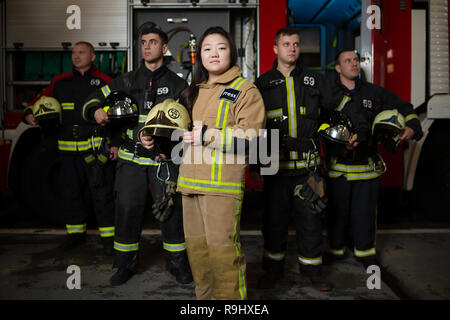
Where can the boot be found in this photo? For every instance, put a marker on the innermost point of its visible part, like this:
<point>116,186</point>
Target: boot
<point>369,261</point>
<point>315,280</point>
<point>178,265</point>
<point>108,245</point>
<point>269,280</point>
<point>72,241</point>
<point>121,276</point>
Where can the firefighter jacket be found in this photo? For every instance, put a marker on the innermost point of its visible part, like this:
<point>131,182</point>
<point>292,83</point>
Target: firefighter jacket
<point>148,88</point>
<point>295,106</point>
<point>364,163</point>
<point>75,135</point>
<point>232,108</point>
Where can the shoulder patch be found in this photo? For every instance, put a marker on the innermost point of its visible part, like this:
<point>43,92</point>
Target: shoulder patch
<point>230,94</point>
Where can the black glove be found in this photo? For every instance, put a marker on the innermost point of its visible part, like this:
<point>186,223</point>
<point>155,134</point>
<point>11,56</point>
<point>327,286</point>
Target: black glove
<point>296,144</point>
<point>313,193</point>
<point>162,209</point>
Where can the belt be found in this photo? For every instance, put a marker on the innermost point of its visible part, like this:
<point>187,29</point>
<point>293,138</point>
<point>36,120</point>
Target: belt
<point>80,131</point>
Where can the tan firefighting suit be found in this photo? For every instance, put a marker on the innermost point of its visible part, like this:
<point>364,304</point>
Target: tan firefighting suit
<point>212,180</point>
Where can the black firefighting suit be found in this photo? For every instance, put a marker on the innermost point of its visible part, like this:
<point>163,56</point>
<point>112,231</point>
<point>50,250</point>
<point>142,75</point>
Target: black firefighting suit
<point>84,150</point>
<point>136,171</point>
<point>353,175</point>
<point>294,105</point>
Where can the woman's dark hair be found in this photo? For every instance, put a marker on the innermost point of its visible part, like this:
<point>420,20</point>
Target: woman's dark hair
<point>189,95</point>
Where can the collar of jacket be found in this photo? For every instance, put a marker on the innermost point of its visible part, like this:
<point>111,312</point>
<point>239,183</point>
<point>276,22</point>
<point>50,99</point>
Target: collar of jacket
<point>147,73</point>
<point>358,84</point>
<point>297,70</point>
<point>91,71</point>
<point>225,78</point>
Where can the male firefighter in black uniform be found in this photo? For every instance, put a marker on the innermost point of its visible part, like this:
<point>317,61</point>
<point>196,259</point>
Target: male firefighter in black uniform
<point>294,97</point>
<point>83,151</point>
<point>149,85</point>
<point>354,174</point>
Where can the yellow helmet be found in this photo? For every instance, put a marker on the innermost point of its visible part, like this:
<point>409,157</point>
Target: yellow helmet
<point>166,117</point>
<point>47,109</point>
<point>387,127</point>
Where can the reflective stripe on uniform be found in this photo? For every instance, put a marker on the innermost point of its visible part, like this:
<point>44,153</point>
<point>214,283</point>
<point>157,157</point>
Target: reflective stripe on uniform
<point>89,158</point>
<point>142,118</point>
<point>302,110</point>
<point>126,247</point>
<point>207,185</point>
<point>88,103</point>
<point>292,113</point>
<point>276,113</point>
<point>368,171</point>
<point>68,105</point>
<point>364,253</point>
<point>274,256</point>
<point>75,228</point>
<point>106,232</point>
<point>336,252</point>
<point>124,155</point>
<point>235,239</point>
<point>84,145</point>
<point>310,261</point>
<point>130,134</point>
<point>344,101</point>
<point>106,90</point>
<point>174,247</point>
<point>300,164</point>
<point>411,116</point>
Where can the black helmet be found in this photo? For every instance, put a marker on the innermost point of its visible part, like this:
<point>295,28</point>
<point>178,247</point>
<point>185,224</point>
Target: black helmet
<point>338,129</point>
<point>121,108</point>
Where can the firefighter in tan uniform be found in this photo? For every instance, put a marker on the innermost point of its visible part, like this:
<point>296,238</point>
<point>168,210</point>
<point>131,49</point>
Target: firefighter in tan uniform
<point>226,110</point>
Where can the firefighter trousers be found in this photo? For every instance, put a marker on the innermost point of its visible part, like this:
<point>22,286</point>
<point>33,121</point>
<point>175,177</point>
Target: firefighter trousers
<point>81,192</point>
<point>280,205</point>
<point>132,184</point>
<point>212,227</point>
<point>357,201</point>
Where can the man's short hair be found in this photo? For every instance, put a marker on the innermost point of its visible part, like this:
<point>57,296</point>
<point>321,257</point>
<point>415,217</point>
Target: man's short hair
<point>155,29</point>
<point>87,44</point>
<point>285,31</point>
<point>338,55</point>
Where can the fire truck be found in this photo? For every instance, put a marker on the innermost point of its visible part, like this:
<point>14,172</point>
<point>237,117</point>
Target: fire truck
<point>403,46</point>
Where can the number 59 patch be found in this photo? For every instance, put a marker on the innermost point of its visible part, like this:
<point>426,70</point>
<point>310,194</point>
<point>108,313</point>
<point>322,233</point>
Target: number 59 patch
<point>309,81</point>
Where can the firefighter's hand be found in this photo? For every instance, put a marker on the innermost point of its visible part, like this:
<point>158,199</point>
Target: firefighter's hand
<point>352,143</point>
<point>147,141</point>
<point>101,117</point>
<point>406,134</point>
<point>30,119</point>
<point>113,151</point>
<point>194,136</point>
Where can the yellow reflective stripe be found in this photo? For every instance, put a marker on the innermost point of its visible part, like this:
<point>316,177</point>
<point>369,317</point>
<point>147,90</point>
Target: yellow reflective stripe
<point>299,164</point>
<point>74,145</point>
<point>292,113</point>
<point>130,134</point>
<point>274,256</point>
<point>354,176</point>
<point>68,105</point>
<point>124,155</point>
<point>344,100</point>
<point>310,261</point>
<point>89,158</point>
<point>364,253</point>
<point>106,231</point>
<point>411,116</point>
<point>142,118</point>
<point>302,110</point>
<point>174,247</point>
<point>88,103</point>
<point>75,228</point>
<point>235,239</point>
<point>106,90</point>
<point>124,247</point>
<point>207,185</point>
<point>354,172</point>
<point>271,114</point>
<point>336,252</point>
<point>102,158</point>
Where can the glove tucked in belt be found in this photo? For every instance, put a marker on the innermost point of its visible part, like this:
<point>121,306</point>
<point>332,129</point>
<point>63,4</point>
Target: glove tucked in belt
<point>162,209</point>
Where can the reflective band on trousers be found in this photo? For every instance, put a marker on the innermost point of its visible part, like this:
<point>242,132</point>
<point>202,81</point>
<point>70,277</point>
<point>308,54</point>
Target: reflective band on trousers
<point>338,252</point>
<point>274,256</point>
<point>174,247</point>
<point>75,228</point>
<point>365,253</point>
<point>368,171</point>
<point>310,261</point>
<point>235,238</point>
<point>207,185</point>
<point>131,157</point>
<point>124,247</point>
<point>106,232</point>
